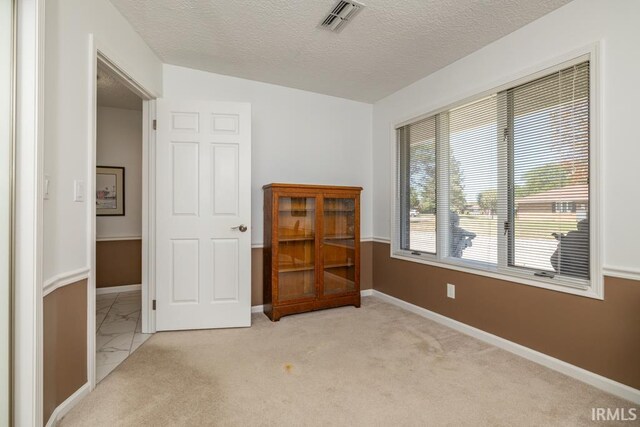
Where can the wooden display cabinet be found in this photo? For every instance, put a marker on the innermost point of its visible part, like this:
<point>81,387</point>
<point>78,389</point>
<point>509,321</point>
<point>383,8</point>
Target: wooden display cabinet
<point>311,248</point>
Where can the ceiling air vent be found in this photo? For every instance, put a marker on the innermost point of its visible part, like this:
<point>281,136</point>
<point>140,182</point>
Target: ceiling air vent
<point>340,15</point>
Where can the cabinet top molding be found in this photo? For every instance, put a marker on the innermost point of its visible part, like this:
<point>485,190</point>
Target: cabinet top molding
<point>276,185</point>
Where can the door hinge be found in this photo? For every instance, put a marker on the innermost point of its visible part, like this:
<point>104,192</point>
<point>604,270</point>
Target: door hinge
<point>155,124</point>
<point>153,306</point>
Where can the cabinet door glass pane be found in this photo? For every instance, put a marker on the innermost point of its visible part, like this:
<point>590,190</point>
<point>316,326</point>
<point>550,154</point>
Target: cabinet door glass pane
<point>296,248</point>
<point>339,245</point>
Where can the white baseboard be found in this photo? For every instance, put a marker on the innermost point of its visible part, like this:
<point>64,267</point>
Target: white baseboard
<point>595,380</point>
<point>67,405</point>
<point>117,289</point>
<point>260,308</point>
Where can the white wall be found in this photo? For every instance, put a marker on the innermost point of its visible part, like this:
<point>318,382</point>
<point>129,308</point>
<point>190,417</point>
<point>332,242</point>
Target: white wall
<point>298,136</point>
<point>581,22</point>
<point>67,108</point>
<point>119,143</point>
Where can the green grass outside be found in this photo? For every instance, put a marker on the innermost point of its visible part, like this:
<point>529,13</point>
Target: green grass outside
<point>485,226</point>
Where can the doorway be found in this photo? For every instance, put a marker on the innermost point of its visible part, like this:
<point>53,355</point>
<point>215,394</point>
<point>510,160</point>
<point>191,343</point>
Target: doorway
<point>118,221</point>
<point>119,195</point>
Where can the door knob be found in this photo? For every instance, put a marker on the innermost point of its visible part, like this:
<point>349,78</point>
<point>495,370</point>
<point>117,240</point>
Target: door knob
<point>240,227</point>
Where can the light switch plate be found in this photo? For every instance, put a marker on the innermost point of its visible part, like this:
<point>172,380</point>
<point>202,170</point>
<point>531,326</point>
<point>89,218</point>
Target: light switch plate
<point>78,190</point>
<point>45,190</point>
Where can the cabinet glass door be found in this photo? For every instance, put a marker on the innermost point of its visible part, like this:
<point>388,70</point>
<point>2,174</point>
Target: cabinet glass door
<point>338,245</point>
<point>296,248</point>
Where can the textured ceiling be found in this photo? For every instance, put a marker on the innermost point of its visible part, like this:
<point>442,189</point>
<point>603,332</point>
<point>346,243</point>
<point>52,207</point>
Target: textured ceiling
<point>113,93</point>
<point>389,45</point>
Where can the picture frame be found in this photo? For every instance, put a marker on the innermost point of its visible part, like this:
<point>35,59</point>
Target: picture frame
<point>110,191</point>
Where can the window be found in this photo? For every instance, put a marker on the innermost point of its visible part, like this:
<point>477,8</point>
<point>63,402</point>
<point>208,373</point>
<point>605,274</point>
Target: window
<point>561,207</point>
<point>501,184</point>
<point>418,159</point>
<point>549,141</point>
<point>473,181</point>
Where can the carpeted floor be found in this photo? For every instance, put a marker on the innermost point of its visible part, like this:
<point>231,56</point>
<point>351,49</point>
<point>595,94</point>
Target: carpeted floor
<point>377,365</point>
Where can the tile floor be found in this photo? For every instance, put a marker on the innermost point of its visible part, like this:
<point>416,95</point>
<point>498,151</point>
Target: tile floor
<point>118,330</point>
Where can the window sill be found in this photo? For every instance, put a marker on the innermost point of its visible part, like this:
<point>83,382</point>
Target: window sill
<point>590,292</point>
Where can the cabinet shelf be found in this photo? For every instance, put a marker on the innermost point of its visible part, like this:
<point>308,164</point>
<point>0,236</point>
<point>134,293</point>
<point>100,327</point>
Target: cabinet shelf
<point>339,244</point>
<point>339,265</point>
<point>290,268</point>
<point>297,239</point>
<point>339,237</point>
<point>334,284</point>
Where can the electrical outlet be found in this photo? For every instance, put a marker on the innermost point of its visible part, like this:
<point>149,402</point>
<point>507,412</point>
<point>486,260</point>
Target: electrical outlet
<point>451,291</point>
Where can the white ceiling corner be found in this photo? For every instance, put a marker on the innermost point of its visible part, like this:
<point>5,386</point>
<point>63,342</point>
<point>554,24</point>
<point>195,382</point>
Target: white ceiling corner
<point>389,45</point>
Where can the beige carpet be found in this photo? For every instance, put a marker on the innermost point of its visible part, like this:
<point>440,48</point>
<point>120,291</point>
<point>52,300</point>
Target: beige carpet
<point>376,365</point>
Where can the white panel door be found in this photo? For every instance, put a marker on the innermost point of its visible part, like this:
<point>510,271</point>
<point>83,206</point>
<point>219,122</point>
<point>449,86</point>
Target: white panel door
<point>203,215</point>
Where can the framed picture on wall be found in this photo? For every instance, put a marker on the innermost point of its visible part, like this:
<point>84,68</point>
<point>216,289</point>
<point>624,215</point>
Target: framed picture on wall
<point>109,191</point>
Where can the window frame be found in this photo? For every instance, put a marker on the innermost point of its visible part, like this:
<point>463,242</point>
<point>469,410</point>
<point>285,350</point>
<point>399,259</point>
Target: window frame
<point>592,288</point>
<point>405,216</point>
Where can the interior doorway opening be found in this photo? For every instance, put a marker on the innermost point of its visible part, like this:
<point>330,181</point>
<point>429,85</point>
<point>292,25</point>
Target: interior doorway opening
<point>121,288</point>
<point>118,184</point>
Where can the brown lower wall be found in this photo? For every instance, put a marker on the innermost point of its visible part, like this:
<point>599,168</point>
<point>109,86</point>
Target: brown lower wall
<point>65,344</point>
<point>366,271</point>
<point>599,336</point>
<point>118,263</point>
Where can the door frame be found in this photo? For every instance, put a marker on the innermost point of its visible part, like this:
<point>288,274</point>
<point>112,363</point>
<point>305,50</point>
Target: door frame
<point>28,213</point>
<point>7,149</point>
<point>99,52</point>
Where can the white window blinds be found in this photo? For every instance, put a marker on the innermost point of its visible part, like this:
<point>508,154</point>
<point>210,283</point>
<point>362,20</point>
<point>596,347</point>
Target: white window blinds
<point>502,183</point>
<point>549,179</point>
<point>418,181</point>
<point>473,181</point>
